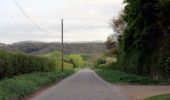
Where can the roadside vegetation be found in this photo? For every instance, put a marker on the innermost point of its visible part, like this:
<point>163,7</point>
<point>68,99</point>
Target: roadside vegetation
<point>12,64</point>
<point>56,56</point>
<point>160,97</point>
<point>76,60</point>
<point>137,53</point>
<point>70,60</point>
<point>139,45</point>
<point>114,76</point>
<point>23,74</point>
<point>18,87</point>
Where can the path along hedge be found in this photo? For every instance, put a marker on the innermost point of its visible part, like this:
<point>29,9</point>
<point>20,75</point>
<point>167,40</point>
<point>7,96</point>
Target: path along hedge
<point>12,64</point>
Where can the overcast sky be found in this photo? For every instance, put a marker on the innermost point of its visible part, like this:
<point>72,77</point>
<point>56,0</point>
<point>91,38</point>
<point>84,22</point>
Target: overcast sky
<point>84,20</point>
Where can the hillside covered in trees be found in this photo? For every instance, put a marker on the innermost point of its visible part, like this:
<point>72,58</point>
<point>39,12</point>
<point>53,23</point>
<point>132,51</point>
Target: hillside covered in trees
<point>43,48</point>
<point>1,44</point>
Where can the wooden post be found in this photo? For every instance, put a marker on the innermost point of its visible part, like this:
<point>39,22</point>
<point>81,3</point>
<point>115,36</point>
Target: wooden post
<point>62,46</point>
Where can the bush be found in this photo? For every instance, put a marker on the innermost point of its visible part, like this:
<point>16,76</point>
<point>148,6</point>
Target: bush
<point>101,61</point>
<point>15,64</point>
<point>67,66</point>
<point>76,60</point>
<point>87,64</point>
<point>104,66</point>
<point>56,55</point>
<point>86,56</point>
<point>18,87</point>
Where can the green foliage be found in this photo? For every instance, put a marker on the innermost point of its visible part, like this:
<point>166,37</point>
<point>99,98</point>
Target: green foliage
<point>114,76</point>
<point>105,66</point>
<point>15,64</point>
<point>104,62</point>
<point>101,60</point>
<point>144,45</point>
<point>86,56</point>
<point>76,60</point>
<point>160,97</point>
<point>112,43</point>
<point>70,61</point>
<point>87,60</point>
<point>67,65</point>
<point>88,64</point>
<point>18,87</point>
<point>56,56</point>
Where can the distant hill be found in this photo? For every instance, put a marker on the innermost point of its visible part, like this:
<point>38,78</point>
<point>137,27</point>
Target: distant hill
<point>31,47</point>
<point>1,44</point>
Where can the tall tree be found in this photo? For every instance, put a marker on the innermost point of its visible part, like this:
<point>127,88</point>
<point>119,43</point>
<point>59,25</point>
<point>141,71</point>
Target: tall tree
<point>118,25</point>
<point>145,41</point>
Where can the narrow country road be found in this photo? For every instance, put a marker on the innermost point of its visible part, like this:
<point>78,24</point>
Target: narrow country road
<point>84,85</point>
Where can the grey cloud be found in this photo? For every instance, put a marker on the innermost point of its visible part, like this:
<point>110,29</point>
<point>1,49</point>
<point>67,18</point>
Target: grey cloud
<point>83,20</point>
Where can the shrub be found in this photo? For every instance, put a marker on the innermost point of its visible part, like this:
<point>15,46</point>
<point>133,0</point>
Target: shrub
<point>15,64</point>
<point>56,56</point>
<point>76,60</point>
<point>101,61</point>
<point>88,64</point>
<point>86,56</point>
<point>67,66</point>
<point>104,66</point>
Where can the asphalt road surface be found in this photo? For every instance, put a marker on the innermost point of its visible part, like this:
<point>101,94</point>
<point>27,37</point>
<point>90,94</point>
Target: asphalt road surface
<point>84,85</point>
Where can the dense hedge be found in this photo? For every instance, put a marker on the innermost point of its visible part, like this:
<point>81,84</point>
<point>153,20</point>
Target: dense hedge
<point>17,88</point>
<point>15,64</point>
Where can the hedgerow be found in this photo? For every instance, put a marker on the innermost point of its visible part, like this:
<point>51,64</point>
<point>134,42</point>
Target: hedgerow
<point>12,64</point>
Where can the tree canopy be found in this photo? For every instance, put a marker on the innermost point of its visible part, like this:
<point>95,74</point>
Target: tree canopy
<point>144,45</point>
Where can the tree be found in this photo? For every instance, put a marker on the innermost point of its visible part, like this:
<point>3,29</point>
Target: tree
<point>76,60</point>
<point>112,45</point>
<point>118,25</point>
<point>146,37</point>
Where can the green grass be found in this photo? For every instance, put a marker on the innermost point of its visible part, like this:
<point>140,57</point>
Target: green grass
<point>160,97</point>
<point>18,87</point>
<point>114,76</point>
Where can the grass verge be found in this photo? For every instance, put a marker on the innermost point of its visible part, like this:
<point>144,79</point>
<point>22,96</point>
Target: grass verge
<point>20,86</point>
<point>160,97</point>
<point>114,76</point>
